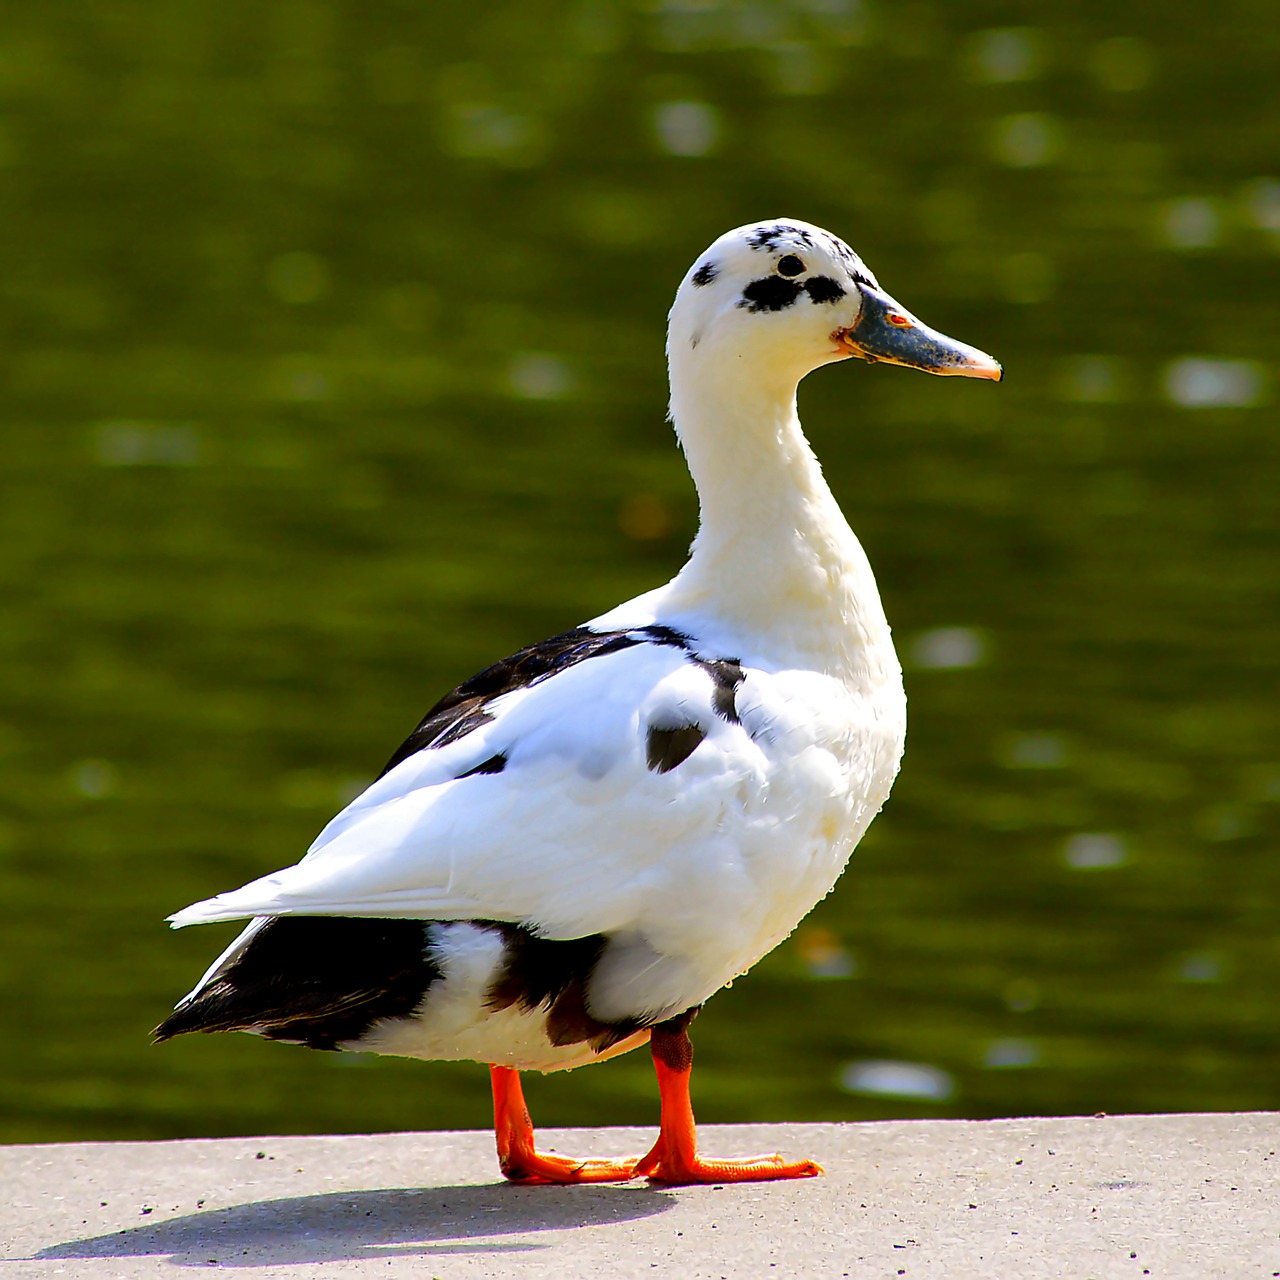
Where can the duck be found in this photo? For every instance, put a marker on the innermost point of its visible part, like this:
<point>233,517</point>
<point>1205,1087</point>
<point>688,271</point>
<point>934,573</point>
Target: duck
<point>581,844</point>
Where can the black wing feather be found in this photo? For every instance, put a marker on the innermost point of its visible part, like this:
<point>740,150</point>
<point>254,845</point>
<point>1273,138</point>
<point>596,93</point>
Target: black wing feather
<point>465,708</point>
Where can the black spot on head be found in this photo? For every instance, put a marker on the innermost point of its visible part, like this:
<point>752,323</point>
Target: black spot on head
<point>849,260</point>
<point>705,274</point>
<point>772,293</point>
<point>790,265</point>
<point>314,980</point>
<point>763,237</point>
<point>766,237</point>
<point>823,289</point>
<point>667,748</point>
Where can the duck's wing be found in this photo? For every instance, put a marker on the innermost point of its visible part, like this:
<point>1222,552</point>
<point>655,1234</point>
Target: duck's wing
<point>559,787</point>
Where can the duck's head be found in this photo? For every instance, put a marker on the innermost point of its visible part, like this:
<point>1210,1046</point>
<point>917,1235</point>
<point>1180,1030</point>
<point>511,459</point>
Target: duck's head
<point>790,296</point>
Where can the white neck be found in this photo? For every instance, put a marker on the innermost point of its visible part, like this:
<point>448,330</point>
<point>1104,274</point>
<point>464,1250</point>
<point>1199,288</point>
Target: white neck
<point>774,556</point>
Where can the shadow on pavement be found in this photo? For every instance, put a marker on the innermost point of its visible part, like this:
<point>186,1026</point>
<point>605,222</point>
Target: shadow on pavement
<point>370,1224</point>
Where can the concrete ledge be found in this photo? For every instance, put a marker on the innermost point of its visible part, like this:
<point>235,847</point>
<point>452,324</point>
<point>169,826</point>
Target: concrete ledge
<point>1173,1197</point>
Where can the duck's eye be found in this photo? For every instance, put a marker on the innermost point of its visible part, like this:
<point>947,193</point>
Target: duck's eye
<point>790,265</point>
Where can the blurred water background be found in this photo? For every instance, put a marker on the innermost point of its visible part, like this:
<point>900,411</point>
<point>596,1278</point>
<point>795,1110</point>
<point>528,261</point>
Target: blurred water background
<point>333,371</point>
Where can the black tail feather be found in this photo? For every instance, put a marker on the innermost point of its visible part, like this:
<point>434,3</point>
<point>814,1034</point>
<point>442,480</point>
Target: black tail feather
<point>315,980</point>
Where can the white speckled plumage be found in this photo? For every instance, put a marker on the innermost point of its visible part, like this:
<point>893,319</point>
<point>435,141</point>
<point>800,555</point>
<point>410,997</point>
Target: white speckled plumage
<point>693,873</point>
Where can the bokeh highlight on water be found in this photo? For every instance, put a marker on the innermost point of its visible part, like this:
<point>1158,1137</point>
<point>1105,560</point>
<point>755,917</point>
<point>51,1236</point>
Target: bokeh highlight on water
<point>333,353</point>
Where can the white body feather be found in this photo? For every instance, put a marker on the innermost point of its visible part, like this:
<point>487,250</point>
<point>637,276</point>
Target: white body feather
<point>694,873</point>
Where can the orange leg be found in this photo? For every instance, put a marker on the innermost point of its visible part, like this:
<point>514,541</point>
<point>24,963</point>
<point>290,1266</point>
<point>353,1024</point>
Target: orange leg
<point>516,1155</point>
<point>674,1158</point>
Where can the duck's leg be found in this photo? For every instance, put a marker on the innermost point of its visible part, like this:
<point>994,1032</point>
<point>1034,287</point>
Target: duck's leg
<point>674,1158</point>
<point>516,1155</point>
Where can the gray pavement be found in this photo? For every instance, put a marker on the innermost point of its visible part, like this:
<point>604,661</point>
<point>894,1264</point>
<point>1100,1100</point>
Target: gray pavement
<point>1171,1197</point>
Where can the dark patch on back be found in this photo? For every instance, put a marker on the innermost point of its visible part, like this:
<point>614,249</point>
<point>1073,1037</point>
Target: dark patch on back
<point>823,289</point>
<point>446,722</point>
<point>494,764</point>
<point>727,674</point>
<point>770,293</point>
<point>316,980</point>
<point>464,708</point>
<point>542,973</point>
<point>705,274</point>
<point>667,748</point>
<point>660,633</point>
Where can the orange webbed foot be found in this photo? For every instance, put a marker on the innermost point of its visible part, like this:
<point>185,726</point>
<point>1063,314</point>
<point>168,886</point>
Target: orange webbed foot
<point>520,1160</point>
<point>534,1168</point>
<point>683,1168</point>
<point>674,1158</point>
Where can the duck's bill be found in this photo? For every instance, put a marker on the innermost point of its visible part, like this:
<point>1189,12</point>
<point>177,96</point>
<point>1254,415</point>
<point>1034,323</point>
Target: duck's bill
<point>884,331</point>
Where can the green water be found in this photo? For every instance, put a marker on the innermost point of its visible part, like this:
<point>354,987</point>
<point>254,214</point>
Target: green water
<point>332,353</point>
